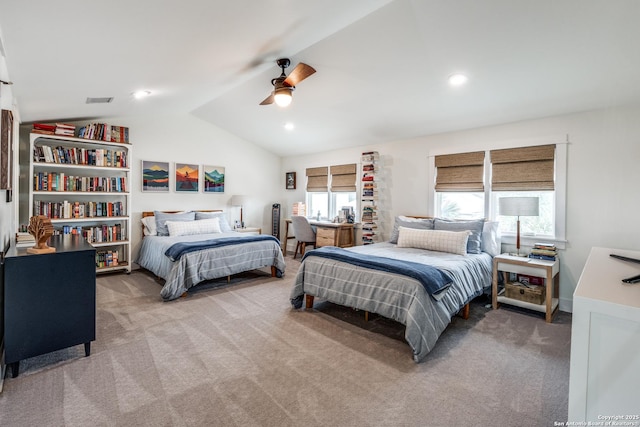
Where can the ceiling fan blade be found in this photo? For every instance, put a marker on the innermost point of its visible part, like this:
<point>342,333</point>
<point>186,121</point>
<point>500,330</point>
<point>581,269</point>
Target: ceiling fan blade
<point>298,74</point>
<point>268,100</point>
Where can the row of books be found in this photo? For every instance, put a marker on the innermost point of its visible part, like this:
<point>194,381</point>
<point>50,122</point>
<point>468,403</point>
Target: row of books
<point>96,234</point>
<point>545,251</point>
<point>52,181</point>
<point>80,156</point>
<point>108,258</point>
<point>94,131</point>
<point>104,132</point>
<point>77,210</point>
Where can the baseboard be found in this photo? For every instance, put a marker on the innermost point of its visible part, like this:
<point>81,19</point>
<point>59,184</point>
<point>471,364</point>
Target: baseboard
<point>566,304</point>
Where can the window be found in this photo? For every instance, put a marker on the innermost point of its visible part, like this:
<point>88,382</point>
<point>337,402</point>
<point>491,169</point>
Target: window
<point>328,200</point>
<point>538,171</point>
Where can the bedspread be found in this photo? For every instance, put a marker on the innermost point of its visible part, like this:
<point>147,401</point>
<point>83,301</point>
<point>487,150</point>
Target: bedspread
<point>210,263</point>
<point>395,296</point>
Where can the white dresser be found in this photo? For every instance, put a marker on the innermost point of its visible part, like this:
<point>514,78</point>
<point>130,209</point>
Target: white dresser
<point>605,341</point>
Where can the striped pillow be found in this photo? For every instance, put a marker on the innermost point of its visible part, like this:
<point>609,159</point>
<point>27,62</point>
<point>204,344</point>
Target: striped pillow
<point>454,242</point>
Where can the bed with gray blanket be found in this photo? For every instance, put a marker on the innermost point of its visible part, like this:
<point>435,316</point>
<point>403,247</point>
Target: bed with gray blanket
<point>394,295</point>
<point>184,261</point>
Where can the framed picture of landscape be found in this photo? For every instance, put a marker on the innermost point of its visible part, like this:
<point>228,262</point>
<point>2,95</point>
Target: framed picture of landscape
<point>187,177</point>
<point>213,179</point>
<point>155,176</point>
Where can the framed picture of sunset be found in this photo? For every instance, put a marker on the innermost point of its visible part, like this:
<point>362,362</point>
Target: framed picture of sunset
<point>155,176</point>
<point>187,177</point>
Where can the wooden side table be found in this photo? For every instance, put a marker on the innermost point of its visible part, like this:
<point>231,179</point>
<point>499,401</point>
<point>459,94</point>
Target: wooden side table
<point>549,270</point>
<point>250,230</point>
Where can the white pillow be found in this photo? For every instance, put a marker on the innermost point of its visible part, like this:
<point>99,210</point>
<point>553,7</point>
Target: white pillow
<point>454,242</point>
<point>185,228</point>
<point>149,223</point>
<point>491,241</point>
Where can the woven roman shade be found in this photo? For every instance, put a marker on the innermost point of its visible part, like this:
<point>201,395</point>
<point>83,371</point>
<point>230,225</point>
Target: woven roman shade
<point>317,179</point>
<point>343,178</point>
<point>523,169</point>
<point>460,172</point>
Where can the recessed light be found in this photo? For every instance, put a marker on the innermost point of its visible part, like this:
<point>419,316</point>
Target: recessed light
<point>141,94</point>
<point>289,126</point>
<point>457,79</point>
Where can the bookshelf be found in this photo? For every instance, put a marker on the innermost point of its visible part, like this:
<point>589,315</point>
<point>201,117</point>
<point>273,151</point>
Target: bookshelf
<point>369,201</point>
<point>83,185</point>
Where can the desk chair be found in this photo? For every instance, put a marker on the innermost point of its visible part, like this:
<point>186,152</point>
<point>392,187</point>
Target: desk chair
<point>304,234</point>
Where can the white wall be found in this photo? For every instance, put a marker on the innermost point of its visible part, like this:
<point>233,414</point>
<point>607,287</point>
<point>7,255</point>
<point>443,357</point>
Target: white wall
<point>603,194</point>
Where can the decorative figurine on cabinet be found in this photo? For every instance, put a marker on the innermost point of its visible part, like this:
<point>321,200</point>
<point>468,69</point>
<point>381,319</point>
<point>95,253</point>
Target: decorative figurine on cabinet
<point>41,229</point>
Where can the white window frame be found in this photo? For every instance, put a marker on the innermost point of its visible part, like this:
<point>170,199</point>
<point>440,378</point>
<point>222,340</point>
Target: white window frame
<point>560,186</point>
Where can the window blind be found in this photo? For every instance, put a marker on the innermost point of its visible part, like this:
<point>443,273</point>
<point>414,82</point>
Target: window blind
<point>317,179</point>
<point>460,172</point>
<point>343,178</point>
<point>522,169</point>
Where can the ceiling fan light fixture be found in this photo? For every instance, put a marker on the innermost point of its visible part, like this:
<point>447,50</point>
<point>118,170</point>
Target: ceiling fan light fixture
<point>282,96</point>
<point>457,79</point>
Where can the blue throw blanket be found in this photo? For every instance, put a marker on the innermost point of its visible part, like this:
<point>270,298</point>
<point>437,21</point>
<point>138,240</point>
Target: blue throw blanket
<point>434,281</point>
<point>176,250</point>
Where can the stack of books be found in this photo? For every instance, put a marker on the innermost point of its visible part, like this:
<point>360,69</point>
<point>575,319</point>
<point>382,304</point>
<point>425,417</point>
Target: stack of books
<point>24,240</point>
<point>546,251</point>
<point>65,129</point>
<point>299,209</point>
<point>44,128</point>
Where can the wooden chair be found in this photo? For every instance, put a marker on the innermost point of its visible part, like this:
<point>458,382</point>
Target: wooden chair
<point>304,234</point>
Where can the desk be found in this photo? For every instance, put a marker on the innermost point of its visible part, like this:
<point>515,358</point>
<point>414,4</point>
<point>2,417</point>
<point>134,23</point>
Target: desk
<point>327,234</point>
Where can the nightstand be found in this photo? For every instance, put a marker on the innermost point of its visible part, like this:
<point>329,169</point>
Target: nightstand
<point>250,230</point>
<point>549,270</point>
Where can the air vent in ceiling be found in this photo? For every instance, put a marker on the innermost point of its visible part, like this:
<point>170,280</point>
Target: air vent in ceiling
<point>104,100</point>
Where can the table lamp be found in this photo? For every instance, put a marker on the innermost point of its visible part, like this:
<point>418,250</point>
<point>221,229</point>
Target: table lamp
<point>518,206</point>
<point>239,201</point>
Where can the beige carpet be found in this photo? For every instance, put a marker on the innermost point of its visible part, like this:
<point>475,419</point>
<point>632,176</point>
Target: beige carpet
<point>240,356</point>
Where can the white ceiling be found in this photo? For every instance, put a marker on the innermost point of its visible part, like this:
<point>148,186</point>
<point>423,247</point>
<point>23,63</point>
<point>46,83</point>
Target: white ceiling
<point>381,65</point>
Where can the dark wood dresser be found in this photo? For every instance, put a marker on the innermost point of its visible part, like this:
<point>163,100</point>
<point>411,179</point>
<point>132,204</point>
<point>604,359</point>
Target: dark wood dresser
<point>49,299</point>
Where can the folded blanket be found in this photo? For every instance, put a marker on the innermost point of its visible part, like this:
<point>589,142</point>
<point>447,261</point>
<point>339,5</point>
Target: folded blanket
<point>434,281</point>
<point>176,250</point>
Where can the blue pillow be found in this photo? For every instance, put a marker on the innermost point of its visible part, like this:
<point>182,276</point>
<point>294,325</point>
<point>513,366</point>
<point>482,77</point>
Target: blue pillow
<point>408,222</point>
<point>163,217</point>
<point>224,224</point>
<point>474,244</point>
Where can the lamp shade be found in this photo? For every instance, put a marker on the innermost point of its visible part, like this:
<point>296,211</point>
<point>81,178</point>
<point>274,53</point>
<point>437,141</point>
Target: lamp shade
<point>238,200</point>
<point>518,206</point>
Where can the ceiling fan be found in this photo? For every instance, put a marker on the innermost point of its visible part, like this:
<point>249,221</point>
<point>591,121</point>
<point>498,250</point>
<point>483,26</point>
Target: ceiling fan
<point>284,85</point>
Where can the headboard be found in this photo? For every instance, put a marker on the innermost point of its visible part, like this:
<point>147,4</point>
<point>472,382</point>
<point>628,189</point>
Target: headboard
<point>151,213</point>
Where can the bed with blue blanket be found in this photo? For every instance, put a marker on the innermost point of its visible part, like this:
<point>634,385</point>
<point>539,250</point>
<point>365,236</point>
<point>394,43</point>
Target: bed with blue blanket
<point>425,302</point>
<point>184,261</point>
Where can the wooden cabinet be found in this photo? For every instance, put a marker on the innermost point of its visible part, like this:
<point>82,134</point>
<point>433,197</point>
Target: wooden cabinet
<point>49,299</point>
<point>340,235</point>
<point>605,332</point>
<point>83,186</point>
<point>549,270</point>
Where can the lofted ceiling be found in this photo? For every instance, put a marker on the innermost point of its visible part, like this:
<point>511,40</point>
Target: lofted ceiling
<point>382,65</point>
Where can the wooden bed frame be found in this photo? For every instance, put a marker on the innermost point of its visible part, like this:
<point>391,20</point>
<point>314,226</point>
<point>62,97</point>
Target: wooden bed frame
<point>152,213</point>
